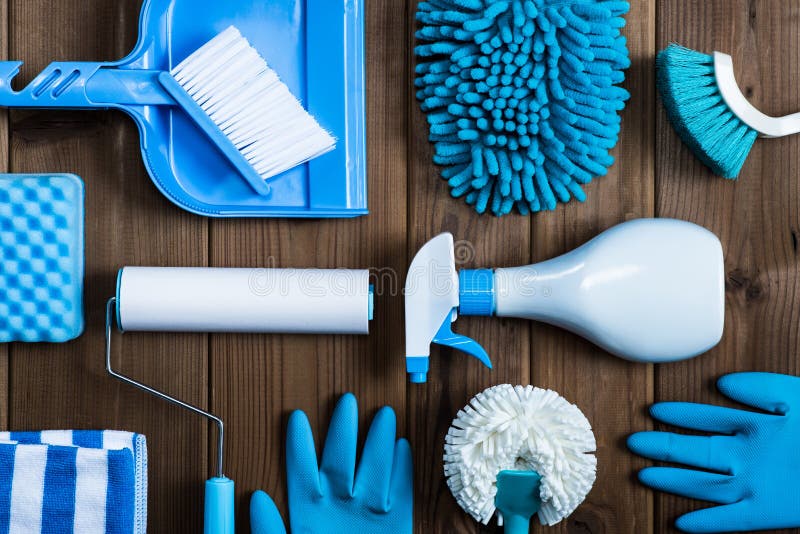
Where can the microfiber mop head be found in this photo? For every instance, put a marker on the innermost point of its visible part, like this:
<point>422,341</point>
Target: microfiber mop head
<point>524,429</point>
<point>521,96</point>
<point>700,116</point>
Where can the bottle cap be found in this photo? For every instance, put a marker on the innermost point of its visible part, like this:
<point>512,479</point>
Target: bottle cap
<point>476,292</point>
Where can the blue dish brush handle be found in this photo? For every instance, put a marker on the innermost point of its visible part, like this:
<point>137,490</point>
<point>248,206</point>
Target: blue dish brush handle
<point>219,516</point>
<point>72,84</point>
<point>516,524</point>
<point>518,499</point>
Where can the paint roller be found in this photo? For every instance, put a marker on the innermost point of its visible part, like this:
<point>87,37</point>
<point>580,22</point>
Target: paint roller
<point>185,299</point>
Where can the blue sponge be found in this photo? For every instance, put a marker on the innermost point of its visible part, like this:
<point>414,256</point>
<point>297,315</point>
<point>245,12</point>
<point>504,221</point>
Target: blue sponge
<point>521,96</point>
<point>41,275</point>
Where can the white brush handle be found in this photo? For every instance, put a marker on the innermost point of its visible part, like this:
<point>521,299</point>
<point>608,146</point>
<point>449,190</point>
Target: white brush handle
<point>765,125</point>
<point>204,299</point>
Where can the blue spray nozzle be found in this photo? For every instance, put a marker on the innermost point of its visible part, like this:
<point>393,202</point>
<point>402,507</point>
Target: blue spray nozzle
<point>418,378</point>
<point>417,368</point>
<point>432,304</point>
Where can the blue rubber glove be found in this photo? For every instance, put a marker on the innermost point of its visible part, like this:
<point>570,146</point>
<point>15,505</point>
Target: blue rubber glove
<point>751,466</point>
<point>336,498</point>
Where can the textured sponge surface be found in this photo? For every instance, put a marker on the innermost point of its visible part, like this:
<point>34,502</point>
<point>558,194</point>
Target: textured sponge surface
<point>41,240</point>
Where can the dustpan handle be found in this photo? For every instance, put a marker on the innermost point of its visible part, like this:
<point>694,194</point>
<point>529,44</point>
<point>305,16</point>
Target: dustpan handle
<point>82,85</point>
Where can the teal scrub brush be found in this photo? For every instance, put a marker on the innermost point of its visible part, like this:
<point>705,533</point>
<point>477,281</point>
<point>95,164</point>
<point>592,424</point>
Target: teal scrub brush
<point>521,96</point>
<point>520,451</point>
<point>709,111</point>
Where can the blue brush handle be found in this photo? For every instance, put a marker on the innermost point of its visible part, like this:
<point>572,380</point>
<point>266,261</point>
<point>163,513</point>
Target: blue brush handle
<point>516,524</point>
<point>219,517</point>
<point>73,84</point>
<point>518,499</point>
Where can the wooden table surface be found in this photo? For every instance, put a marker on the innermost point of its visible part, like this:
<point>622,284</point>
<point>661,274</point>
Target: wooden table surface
<point>254,382</point>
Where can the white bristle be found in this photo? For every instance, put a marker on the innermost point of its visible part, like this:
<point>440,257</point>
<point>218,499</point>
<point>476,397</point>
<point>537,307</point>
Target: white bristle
<point>249,103</point>
<point>526,429</point>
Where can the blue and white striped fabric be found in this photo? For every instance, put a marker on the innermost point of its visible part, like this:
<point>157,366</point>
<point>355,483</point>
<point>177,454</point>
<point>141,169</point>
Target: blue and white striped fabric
<point>65,481</point>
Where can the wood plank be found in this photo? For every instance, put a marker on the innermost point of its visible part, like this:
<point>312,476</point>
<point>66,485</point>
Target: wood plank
<point>5,393</point>
<point>756,217</point>
<point>454,378</point>
<point>611,392</point>
<point>254,381</point>
<point>258,380</point>
<point>127,223</point>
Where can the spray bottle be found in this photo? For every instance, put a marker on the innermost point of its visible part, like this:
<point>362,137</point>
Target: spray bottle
<point>648,290</point>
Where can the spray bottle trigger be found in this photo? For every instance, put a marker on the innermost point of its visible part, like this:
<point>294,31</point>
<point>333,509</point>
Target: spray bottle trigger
<point>446,337</point>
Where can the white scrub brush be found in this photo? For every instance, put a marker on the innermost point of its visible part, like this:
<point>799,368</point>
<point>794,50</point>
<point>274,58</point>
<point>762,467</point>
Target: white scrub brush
<point>509,432</point>
<point>242,105</point>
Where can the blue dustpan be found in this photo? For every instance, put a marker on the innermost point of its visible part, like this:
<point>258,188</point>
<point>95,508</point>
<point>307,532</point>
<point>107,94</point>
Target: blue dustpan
<point>315,46</point>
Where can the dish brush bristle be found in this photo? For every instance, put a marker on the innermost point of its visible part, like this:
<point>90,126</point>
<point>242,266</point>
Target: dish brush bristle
<point>699,114</point>
<point>251,106</point>
<point>526,429</point>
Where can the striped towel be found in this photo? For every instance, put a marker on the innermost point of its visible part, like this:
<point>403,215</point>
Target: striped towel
<point>65,481</point>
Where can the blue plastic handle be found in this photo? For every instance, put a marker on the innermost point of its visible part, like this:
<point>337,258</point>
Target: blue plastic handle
<point>73,84</point>
<point>518,499</point>
<point>516,524</point>
<point>219,517</point>
<point>76,84</point>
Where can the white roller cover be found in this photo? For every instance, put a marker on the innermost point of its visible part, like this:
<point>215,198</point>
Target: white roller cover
<point>292,301</point>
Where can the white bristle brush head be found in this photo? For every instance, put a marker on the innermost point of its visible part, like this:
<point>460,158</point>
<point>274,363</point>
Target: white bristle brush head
<point>249,103</point>
<point>520,428</point>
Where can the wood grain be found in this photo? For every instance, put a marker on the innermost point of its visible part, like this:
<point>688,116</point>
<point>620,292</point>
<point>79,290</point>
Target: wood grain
<point>127,223</point>
<point>756,217</point>
<point>254,382</point>
<point>5,393</point>
<point>257,381</point>
<point>454,378</point>
<point>611,392</point>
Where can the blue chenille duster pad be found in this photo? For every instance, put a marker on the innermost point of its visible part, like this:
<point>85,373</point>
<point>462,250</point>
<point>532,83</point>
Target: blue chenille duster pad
<point>522,96</point>
<point>41,242</point>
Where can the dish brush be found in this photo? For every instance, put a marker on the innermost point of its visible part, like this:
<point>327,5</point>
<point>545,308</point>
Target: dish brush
<point>504,441</point>
<point>709,111</point>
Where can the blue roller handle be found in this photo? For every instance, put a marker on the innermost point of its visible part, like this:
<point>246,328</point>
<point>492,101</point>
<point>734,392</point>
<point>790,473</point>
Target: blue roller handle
<point>219,517</point>
<point>76,84</point>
